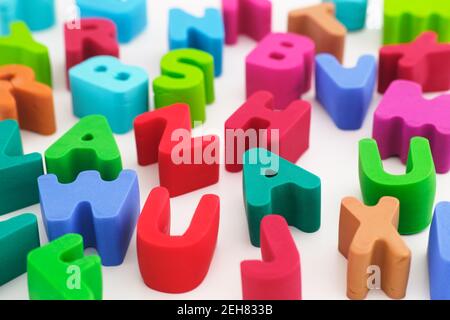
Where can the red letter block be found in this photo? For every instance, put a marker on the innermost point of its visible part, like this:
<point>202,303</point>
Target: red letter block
<point>424,61</point>
<point>257,124</point>
<point>176,264</point>
<point>250,17</point>
<point>282,64</point>
<point>278,276</point>
<point>93,37</point>
<point>185,164</point>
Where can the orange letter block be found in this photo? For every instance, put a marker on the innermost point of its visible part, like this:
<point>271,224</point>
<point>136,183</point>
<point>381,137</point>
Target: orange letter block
<point>26,100</point>
<point>369,239</point>
<point>320,24</point>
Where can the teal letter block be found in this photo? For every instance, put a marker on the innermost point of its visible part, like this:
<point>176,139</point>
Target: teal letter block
<point>103,85</point>
<point>37,14</point>
<point>351,13</point>
<point>18,172</point>
<point>273,185</point>
<point>206,34</point>
<point>18,236</point>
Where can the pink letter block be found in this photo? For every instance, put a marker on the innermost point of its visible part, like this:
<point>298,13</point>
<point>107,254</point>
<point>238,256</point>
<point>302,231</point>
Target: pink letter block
<point>278,276</point>
<point>403,114</point>
<point>93,37</point>
<point>253,125</point>
<point>250,17</point>
<point>282,64</point>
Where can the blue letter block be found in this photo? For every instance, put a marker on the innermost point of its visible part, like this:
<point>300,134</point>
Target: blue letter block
<point>345,93</point>
<point>103,212</point>
<point>206,34</point>
<point>439,253</point>
<point>351,13</point>
<point>130,16</point>
<point>18,172</point>
<point>103,85</point>
<point>37,14</point>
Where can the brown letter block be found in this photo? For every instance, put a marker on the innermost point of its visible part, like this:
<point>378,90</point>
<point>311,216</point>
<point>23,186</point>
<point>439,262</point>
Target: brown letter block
<point>320,24</point>
<point>368,237</point>
<point>25,100</point>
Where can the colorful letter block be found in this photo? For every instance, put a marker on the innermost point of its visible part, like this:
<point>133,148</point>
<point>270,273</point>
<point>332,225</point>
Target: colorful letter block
<point>351,13</point>
<point>92,37</point>
<point>206,34</point>
<point>404,113</point>
<point>120,91</point>
<point>130,16</point>
<point>273,185</point>
<point>252,18</point>
<point>282,64</point>
<point>424,61</point>
<point>187,77</point>
<point>257,124</point>
<point>278,275</point>
<point>176,264</point>
<point>60,271</point>
<point>415,190</point>
<point>185,164</point>
<point>406,19</point>
<point>439,253</point>
<point>37,14</point>
<point>18,236</point>
<point>89,145</point>
<point>345,93</point>
<point>20,48</point>
<point>103,212</point>
<point>368,238</point>
<point>18,172</point>
<point>320,24</point>
<point>25,100</point>
<point>7,15</point>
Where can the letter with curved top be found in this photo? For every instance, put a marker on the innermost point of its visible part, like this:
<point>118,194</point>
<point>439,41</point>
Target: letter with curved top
<point>278,275</point>
<point>187,76</point>
<point>282,63</point>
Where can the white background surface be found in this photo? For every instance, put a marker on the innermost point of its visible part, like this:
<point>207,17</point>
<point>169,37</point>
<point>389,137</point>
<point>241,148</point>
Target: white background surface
<point>333,156</point>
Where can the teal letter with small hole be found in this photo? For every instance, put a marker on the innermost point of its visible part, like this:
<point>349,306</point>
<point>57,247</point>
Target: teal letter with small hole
<point>273,185</point>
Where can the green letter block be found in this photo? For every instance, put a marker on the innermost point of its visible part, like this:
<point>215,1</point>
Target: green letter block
<point>404,20</point>
<point>415,190</point>
<point>273,185</point>
<point>18,236</point>
<point>187,77</point>
<point>60,271</point>
<point>89,145</point>
<point>20,48</point>
<point>18,172</point>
